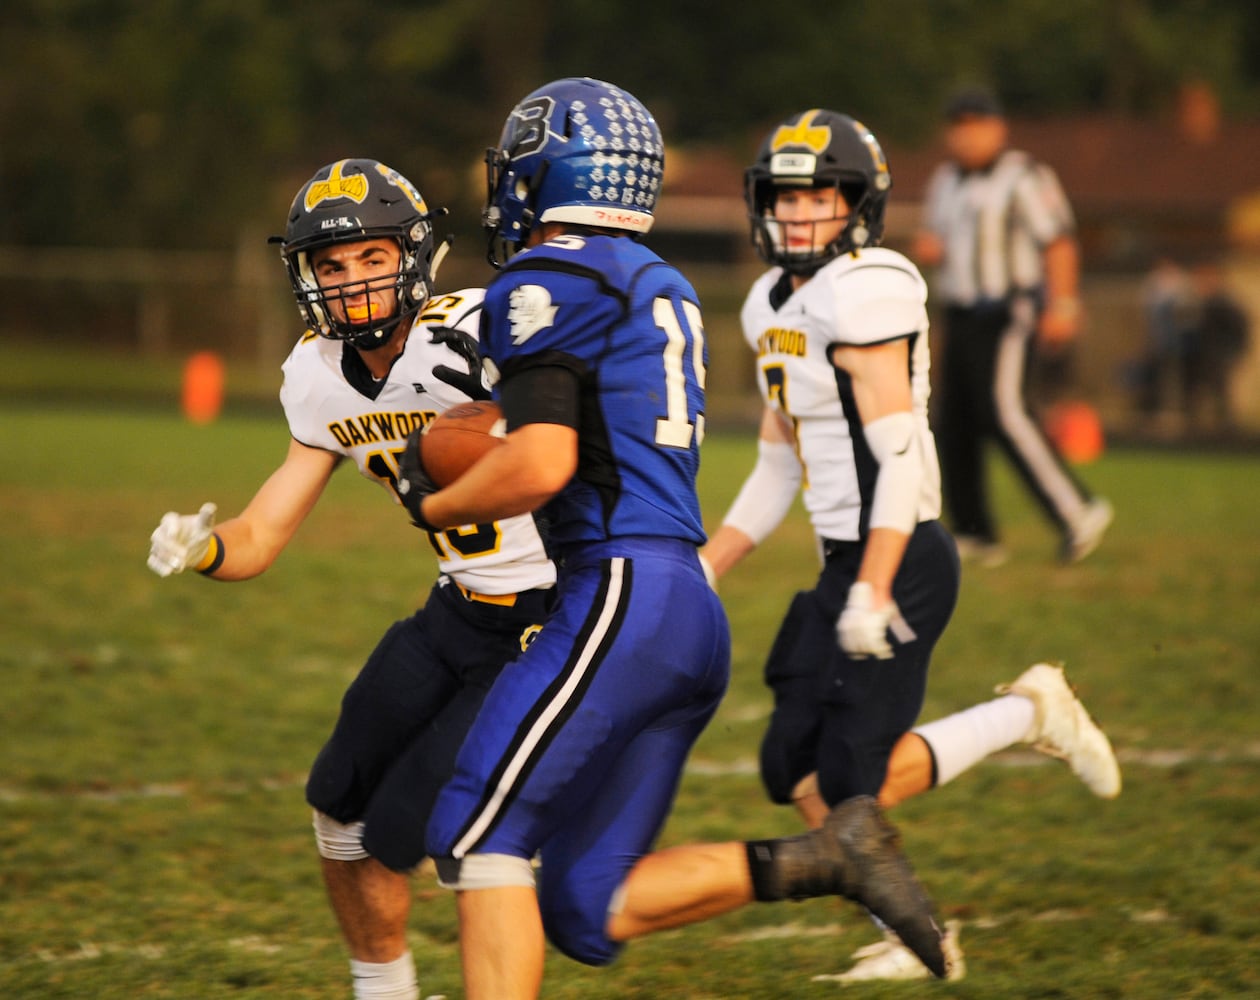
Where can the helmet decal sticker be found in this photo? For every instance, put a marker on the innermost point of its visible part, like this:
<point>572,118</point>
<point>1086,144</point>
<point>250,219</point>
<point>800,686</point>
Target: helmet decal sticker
<point>533,125</point>
<point>403,185</point>
<point>802,133</point>
<point>882,180</point>
<point>354,187</point>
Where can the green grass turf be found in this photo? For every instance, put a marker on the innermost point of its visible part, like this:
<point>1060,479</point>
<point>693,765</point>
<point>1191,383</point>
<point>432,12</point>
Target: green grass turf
<point>154,736</point>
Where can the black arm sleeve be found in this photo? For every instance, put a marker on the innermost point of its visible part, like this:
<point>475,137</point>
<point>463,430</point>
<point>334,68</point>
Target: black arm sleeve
<point>542,393</point>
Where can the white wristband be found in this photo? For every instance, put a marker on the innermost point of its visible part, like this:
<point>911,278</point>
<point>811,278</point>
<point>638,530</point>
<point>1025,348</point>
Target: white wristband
<point>896,447</point>
<point>768,492</point>
<point>710,574</point>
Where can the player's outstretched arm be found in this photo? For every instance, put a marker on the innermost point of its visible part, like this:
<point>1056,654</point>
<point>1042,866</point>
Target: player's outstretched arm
<point>763,500</point>
<point>182,541</point>
<point>248,544</point>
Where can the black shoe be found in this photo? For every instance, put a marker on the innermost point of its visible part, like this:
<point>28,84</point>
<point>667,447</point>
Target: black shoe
<point>856,853</point>
<point>877,875</point>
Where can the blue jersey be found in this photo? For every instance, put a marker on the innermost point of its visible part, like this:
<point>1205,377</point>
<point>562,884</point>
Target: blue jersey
<point>628,324</point>
<point>577,751</point>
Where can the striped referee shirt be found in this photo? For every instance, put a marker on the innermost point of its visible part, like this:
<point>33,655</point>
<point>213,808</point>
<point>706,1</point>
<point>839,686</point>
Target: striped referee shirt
<point>994,224</point>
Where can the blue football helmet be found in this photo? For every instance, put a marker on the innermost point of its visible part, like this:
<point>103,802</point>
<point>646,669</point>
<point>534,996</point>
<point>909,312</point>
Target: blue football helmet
<point>578,151</point>
<point>347,201</point>
<point>815,149</point>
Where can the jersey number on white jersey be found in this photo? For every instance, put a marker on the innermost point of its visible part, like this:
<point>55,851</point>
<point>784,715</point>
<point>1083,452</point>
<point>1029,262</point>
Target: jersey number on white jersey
<point>469,540</point>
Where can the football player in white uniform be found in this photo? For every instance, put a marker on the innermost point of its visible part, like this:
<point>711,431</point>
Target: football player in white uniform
<point>382,355</point>
<point>840,329</point>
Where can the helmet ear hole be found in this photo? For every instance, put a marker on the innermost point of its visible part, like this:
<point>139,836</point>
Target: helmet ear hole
<point>851,192</point>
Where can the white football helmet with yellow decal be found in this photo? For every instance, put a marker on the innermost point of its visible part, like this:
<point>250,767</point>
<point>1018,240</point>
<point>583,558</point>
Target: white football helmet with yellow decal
<point>817,149</point>
<point>349,200</point>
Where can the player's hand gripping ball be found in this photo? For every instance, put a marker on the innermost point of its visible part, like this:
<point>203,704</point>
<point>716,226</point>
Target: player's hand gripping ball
<point>453,442</point>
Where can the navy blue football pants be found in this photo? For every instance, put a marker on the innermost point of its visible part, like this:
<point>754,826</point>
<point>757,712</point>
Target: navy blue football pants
<point>839,716</point>
<point>404,717</point>
<point>577,753</point>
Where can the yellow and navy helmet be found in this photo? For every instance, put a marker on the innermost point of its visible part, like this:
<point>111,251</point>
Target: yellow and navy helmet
<point>818,148</point>
<point>347,201</point>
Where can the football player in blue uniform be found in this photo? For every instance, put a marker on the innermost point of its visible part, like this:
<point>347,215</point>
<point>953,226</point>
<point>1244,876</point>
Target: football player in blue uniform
<point>839,327</point>
<point>595,345</point>
<point>382,355</point>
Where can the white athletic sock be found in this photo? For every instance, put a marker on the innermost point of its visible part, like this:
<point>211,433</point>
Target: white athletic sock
<point>394,980</point>
<point>962,740</point>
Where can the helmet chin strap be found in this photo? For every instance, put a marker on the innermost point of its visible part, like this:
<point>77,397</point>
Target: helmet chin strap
<point>439,255</point>
<point>373,340</point>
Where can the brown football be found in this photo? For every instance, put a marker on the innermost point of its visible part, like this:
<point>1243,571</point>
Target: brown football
<point>457,438</point>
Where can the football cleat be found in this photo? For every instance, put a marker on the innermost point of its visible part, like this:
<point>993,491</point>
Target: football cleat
<point>856,853</point>
<point>981,551</point>
<point>1062,728</point>
<point>1086,532</point>
<point>890,959</point>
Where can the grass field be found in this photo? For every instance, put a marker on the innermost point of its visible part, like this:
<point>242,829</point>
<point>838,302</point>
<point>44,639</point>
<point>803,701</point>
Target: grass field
<point>155,735</point>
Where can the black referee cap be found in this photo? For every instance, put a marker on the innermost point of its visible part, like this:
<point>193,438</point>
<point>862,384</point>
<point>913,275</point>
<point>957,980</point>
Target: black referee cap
<point>973,102</point>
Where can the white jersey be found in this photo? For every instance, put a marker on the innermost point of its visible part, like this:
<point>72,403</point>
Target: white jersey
<point>343,410</point>
<point>865,299</point>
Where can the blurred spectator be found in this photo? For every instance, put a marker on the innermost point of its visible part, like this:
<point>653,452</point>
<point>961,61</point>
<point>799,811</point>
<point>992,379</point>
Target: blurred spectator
<point>1167,305</point>
<point>1217,338</point>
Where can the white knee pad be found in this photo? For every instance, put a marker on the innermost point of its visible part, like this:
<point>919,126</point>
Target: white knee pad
<point>484,871</point>
<point>338,841</point>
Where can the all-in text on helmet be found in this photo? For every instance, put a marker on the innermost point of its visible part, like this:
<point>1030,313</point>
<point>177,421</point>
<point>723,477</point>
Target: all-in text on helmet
<point>577,151</point>
<point>347,201</point>
<point>817,149</point>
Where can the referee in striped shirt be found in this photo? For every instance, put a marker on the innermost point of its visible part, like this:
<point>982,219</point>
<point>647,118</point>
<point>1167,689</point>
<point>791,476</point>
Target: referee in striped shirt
<point>999,229</point>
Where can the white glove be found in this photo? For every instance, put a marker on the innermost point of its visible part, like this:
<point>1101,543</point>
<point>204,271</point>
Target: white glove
<point>709,574</point>
<point>862,630</point>
<point>181,540</point>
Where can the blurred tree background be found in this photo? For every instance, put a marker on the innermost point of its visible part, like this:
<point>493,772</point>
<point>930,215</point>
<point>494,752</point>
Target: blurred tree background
<point>173,124</point>
<point>147,148</point>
